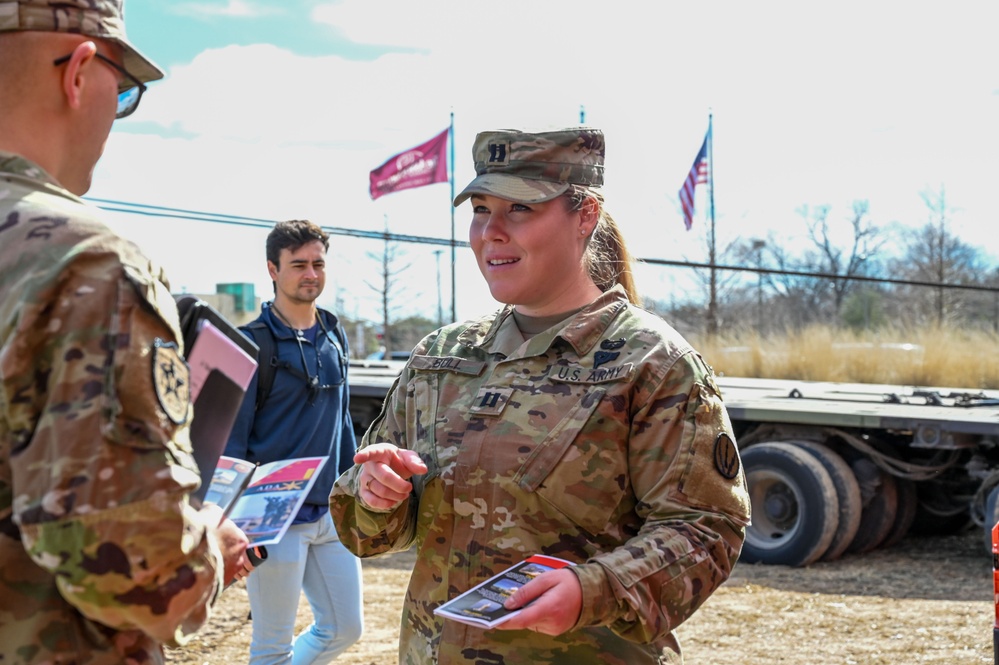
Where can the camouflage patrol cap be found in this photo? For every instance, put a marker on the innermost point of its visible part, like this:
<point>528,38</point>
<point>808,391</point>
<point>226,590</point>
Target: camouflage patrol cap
<point>535,167</point>
<point>104,19</point>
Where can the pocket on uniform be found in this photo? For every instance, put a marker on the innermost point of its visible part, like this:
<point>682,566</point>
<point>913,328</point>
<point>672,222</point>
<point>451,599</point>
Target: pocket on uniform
<point>421,418</point>
<point>581,476</point>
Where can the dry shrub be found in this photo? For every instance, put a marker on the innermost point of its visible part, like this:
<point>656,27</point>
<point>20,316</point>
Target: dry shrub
<point>939,356</point>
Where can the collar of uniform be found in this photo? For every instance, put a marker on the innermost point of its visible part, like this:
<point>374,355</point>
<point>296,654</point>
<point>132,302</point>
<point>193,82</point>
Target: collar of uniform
<point>587,328</point>
<point>583,331</point>
<point>16,165</point>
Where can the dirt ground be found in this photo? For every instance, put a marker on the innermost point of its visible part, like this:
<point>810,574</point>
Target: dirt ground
<point>926,600</point>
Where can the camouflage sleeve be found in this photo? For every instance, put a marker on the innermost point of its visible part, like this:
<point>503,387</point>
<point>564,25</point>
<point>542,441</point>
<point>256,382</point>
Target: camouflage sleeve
<point>101,482</point>
<point>692,497</point>
<point>363,530</point>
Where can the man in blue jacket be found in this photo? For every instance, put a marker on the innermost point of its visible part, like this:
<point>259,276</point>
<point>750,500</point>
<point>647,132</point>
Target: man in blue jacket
<point>301,410</point>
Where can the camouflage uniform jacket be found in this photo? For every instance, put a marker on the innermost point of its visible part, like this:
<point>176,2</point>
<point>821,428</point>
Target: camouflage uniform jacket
<point>603,441</point>
<point>103,560</point>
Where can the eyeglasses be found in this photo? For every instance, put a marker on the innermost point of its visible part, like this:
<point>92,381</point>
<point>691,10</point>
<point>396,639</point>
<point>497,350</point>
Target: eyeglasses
<point>130,89</point>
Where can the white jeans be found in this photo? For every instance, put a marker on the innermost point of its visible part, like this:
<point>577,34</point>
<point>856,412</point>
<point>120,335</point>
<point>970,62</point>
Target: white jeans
<point>309,558</point>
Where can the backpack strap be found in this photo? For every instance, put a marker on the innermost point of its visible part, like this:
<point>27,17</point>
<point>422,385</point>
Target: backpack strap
<point>267,360</point>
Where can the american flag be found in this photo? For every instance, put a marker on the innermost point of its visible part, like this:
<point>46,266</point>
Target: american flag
<point>698,174</point>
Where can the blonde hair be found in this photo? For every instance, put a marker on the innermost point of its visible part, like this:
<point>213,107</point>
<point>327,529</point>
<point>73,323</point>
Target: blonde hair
<point>607,258</point>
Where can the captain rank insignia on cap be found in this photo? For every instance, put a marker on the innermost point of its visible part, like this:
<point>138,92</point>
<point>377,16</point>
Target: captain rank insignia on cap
<point>499,153</point>
<point>171,381</point>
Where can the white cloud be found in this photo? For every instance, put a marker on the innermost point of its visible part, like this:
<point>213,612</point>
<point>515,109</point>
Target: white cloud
<point>232,8</point>
<point>812,106</point>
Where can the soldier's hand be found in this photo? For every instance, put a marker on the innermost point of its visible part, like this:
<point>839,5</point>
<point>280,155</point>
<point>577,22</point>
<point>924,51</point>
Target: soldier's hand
<point>232,542</point>
<point>557,600</point>
<point>383,480</point>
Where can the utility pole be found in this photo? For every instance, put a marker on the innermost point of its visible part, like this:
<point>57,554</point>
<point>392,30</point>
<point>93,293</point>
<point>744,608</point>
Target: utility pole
<point>440,310</point>
<point>758,246</point>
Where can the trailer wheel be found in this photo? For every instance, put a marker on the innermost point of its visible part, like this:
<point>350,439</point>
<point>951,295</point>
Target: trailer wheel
<point>939,512</point>
<point>847,494</point>
<point>880,496</point>
<point>795,510</point>
<point>908,504</point>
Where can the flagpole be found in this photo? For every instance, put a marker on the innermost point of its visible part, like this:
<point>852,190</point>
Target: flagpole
<point>450,177</point>
<point>713,304</point>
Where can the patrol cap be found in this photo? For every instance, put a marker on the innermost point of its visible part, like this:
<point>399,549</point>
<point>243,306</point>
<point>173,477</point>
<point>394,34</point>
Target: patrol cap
<point>535,167</point>
<point>104,19</point>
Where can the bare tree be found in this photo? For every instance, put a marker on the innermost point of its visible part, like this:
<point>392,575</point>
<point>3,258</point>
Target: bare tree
<point>844,262</point>
<point>388,290</point>
<point>797,300</point>
<point>934,254</point>
<point>718,284</point>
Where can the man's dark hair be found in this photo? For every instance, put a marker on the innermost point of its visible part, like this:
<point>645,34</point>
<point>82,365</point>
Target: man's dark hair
<point>291,235</point>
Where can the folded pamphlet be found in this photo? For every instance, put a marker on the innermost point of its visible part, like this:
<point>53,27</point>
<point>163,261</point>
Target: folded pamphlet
<point>482,605</point>
<point>263,500</point>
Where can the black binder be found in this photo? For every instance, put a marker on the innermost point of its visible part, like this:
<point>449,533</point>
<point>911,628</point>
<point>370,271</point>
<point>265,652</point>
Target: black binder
<point>218,402</point>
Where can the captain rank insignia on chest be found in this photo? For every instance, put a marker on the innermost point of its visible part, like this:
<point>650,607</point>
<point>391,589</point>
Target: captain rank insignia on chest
<point>491,401</point>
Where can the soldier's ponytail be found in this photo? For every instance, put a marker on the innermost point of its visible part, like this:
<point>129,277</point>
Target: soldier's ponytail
<point>607,257</point>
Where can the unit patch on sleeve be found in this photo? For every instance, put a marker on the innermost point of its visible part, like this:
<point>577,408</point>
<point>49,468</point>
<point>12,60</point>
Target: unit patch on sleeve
<point>171,381</point>
<point>726,456</point>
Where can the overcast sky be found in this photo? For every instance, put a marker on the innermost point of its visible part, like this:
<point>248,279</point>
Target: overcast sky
<point>278,109</point>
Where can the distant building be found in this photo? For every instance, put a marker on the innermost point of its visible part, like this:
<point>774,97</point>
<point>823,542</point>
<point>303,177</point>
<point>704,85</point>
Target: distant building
<point>237,302</point>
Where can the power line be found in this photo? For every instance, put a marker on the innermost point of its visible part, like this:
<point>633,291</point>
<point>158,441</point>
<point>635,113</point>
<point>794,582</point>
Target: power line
<point>257,222</point>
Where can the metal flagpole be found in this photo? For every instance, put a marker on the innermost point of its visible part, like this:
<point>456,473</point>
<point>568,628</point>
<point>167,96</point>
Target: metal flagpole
<point>713,303</point>
<point>450,177</point>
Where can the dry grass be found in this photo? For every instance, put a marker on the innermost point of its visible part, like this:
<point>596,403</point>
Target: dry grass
<point>927,357</point>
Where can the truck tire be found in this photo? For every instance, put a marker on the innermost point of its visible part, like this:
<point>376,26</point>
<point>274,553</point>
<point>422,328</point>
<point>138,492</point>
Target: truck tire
<point>847,493</point>
<point>880,497</point>
<point>908,503</point>
<point>795,510</point>
<point>938,512</point>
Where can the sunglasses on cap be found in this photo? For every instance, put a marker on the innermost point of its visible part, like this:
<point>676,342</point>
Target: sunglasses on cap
<point>130,89</point>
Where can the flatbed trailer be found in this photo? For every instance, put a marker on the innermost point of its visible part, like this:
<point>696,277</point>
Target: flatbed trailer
<point>836,468</point>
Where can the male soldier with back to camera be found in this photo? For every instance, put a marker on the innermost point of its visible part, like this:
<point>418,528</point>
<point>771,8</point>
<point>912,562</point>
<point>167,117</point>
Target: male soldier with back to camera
<point>102,558</point>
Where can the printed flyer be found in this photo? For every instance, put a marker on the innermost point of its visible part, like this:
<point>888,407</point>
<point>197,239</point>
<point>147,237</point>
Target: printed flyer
<point>482,605</point>
<point>263,500</point>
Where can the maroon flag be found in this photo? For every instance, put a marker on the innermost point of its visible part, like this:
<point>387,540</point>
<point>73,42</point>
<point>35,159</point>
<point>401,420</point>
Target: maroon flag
<point>698,174</point>
<point>423,165</point>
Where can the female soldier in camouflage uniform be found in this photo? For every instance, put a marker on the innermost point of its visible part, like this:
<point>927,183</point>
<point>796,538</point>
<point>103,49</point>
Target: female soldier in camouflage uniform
<point>571,423</point>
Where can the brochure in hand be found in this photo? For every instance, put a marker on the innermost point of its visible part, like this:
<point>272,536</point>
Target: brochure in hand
<point>482,605</point>
<point>263,500</point>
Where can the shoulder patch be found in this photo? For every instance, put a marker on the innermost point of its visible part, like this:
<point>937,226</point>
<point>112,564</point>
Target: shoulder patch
<point>726,456</point>
<point>447,364</point>
<point>171,381</point>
